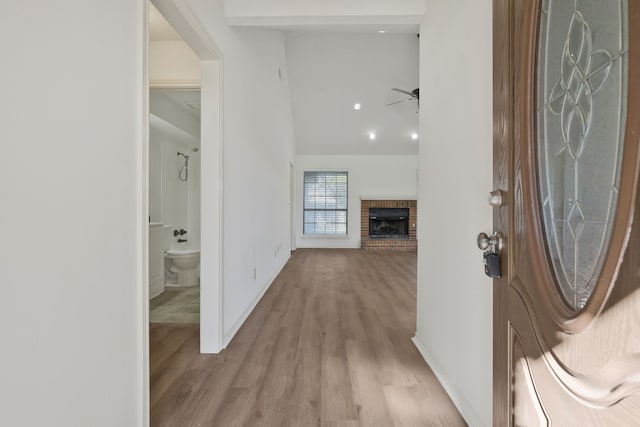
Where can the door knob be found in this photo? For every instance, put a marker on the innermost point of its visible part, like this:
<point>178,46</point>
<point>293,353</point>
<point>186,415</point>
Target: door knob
<point>494,241</point>
<point>491,247</point>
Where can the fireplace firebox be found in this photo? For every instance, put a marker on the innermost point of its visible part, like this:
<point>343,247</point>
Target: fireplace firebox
<point>389,223</point>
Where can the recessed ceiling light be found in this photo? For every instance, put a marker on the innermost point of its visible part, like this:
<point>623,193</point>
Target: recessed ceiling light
<point>381,31</point>
<point>372,136</point>
<point>414,136</point>
<point>357,106</point>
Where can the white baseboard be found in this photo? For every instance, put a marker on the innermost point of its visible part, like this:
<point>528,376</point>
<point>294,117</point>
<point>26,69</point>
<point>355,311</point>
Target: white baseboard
<point>155,289</point>
<point>465,409</point>
<point>236,326</point>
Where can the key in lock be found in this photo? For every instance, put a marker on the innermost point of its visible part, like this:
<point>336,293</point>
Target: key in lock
<point>491,264</point>
<point>492,246</point>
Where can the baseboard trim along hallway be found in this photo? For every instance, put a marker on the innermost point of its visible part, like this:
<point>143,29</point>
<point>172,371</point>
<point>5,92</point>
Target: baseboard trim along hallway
<point>456,396</point>
<point>236,327</point>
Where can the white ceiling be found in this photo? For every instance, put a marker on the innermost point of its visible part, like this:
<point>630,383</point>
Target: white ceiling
<point>169,129</point>
<point>187,99</point>
<point>347,28</point>
<point>329,72</point>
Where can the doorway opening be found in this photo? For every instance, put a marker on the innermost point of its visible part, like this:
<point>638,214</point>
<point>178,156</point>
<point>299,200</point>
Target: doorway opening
<point>174,202</point>
<point>185,101</point>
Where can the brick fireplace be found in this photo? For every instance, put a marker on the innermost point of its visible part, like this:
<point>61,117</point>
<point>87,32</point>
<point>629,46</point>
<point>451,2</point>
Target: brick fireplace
<point>387,219</point>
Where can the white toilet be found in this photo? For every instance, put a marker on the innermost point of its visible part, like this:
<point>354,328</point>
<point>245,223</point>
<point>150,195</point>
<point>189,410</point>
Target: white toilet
<point>181,267</point>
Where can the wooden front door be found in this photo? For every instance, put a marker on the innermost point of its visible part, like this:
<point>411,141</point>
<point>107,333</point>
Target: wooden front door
<point>566,159</point>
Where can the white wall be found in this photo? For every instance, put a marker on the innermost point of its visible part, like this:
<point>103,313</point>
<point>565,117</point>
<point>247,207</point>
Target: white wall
<point>173,64</point>
<point>454,326</point>
<point>179,201</point>
<point>155,175</point>
<point>175,193</point>
<point>370,176</point>
<point>258,147</point>
<point>194,200</point>
<point>73,265</point>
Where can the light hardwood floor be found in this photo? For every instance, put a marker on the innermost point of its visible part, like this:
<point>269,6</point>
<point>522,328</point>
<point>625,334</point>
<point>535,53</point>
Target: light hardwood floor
<point>328,345</point>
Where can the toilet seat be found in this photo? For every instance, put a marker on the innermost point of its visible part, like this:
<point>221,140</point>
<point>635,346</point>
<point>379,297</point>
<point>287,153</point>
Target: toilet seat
<point>182,252</point>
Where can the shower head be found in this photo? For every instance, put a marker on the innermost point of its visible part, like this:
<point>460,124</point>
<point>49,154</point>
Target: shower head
<point>186,156</point>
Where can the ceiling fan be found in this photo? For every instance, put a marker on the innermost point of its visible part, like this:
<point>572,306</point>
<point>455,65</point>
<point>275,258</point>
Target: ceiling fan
<point>414,94</point>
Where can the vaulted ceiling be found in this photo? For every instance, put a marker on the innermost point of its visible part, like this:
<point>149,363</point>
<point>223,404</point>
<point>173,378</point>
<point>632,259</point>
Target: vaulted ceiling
<point>330,72</point>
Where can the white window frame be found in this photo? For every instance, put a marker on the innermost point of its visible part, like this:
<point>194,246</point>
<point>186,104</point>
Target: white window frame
<point>307,208</point>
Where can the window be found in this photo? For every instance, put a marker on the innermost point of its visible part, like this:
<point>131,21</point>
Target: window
<point>325,203</point>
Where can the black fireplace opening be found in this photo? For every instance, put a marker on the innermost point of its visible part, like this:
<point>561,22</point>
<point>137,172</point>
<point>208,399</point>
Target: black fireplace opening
<point>389,223</point>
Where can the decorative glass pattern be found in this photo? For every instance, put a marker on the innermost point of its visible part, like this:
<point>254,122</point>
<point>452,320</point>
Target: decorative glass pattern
<point>581,114</point>
<point>325,203</point>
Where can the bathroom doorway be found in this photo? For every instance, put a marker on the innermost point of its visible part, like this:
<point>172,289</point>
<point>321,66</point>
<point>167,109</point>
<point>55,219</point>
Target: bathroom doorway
<point>185,171</point>
<point>174,203</point>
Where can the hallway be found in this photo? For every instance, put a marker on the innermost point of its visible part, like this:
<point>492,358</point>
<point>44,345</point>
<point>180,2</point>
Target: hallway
<point>328,345</point>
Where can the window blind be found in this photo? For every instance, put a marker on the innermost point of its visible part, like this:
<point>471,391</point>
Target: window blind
<point>325,203</point>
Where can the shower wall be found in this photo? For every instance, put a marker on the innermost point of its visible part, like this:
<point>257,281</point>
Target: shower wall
<point>172,201</point>
<point>193,203</point>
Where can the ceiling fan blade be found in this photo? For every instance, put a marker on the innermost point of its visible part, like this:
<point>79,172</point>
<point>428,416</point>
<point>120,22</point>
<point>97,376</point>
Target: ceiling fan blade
<point>398,102</point>
<point>403,91</point>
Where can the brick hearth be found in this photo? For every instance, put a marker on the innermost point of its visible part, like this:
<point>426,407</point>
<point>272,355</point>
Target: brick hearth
<point>410,244</point>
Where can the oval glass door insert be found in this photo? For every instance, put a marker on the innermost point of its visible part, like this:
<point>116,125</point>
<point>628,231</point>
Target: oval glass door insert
<point>581,116</point>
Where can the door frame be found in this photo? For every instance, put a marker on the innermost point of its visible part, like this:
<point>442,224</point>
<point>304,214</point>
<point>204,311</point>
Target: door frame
<point>502,134</point>
<point>182,18</point>
<point>292,206</point>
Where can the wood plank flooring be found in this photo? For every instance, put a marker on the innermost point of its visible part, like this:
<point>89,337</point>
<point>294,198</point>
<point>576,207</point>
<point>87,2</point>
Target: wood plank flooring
<point>328,345</point>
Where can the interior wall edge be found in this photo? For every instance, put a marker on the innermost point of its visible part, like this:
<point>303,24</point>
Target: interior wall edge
<point>465,408</point>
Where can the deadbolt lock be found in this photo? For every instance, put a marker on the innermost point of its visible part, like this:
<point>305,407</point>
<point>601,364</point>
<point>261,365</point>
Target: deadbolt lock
<point>496,198</point>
